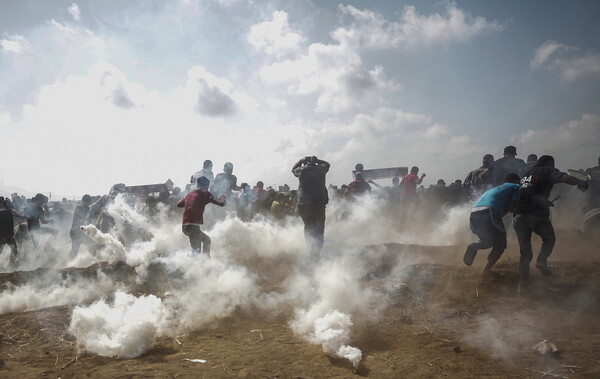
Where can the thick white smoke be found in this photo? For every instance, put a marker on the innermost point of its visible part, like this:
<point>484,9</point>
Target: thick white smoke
<point>191,291</point>
<point>126,328</point>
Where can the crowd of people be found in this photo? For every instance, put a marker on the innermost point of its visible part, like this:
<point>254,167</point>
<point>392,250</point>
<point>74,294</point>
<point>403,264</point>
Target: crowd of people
<point>500,186</point>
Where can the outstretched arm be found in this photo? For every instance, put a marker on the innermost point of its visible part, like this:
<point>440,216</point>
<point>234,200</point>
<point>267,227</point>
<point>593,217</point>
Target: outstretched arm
<point>375,184</point>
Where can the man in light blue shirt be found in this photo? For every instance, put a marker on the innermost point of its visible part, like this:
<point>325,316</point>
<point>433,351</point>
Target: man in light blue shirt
<point>486,222</point>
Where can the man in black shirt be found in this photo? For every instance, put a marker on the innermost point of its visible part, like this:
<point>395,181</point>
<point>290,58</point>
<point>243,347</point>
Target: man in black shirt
<point>312,199</point>
<point>531,161</point>
<point>80,216</point>
<point>7,232</point>
<point>532,214</point>
<point>508,164</point>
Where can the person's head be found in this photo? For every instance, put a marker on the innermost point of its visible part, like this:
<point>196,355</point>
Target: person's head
<point>228,167</point>
<point>395,180</point>
<point>510,151</point>
<point>176,191</point>
<point>441,182</point>
<point>414,170</point>
<point>545,161</point>
<point>488,160</point>
<point>344,186</point>
<point>260,184</point>
<point>512,178</point>
<point>38,199</point>
<point>86,200</point>
<point>359,176</point>
<point>531,158</point>
<point>164,195</point>
<point>359,167</point>
<point>207,164</point>
<point>458,181</point>
<point>202,182</point>
<point>245,187</point>
<point>281,197</point>
<point>1,200</point>
<point>116,189</point>
<point>7,204</point>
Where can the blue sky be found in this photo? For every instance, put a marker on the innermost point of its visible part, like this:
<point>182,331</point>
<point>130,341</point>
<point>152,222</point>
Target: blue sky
<point>95,93</point>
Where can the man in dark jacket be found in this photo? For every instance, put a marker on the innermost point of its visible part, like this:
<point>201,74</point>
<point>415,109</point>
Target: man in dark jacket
<point>312,199</point>
<point>532,214</point>
<point>80,216</point>
<point>508,164</point>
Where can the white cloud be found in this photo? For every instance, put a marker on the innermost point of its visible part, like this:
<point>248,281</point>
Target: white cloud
<point>275,37</point>
<point>387,137</point>
<point>571,143</point>
<point>335,73</point>
<point>569,62</point>
<point>75,11</point>
<point>372,30</point>
<point>14,44</point>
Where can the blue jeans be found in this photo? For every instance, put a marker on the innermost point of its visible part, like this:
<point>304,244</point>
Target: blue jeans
<point>488,226</point>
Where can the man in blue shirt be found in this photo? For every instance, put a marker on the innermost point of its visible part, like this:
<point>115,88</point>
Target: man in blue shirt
<point>486,222</point>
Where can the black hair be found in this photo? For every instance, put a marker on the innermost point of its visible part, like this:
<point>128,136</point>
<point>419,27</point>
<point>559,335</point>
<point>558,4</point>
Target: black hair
<point>202,182</point>
<point>545,160</point>
<point>512,178</point>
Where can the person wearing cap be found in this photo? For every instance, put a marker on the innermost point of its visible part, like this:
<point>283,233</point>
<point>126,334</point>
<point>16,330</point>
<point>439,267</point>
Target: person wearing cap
<point>531,161</point>
<point>486,222</point>
<point>480,179</point>
<point>508,164</point>
<point>80,215</point>
<point>532,214</point>
<point>312,200</point>
<point>193,205</point>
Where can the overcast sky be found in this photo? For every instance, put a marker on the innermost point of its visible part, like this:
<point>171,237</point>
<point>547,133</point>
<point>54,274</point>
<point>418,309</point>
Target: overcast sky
<point>94,93</point>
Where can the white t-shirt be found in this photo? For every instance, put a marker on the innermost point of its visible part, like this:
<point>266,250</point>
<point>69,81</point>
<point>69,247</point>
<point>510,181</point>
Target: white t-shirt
<point>206,172</point>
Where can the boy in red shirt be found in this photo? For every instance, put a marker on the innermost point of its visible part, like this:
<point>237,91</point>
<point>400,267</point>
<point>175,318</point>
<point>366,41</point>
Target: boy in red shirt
<point>193,205</point>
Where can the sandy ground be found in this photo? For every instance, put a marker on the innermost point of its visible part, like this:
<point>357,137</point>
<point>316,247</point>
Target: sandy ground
<point>444,322</point>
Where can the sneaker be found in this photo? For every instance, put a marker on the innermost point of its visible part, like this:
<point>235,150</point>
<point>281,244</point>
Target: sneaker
<point>523,288</point>
<point>543,267</point>
<point>470,254</point>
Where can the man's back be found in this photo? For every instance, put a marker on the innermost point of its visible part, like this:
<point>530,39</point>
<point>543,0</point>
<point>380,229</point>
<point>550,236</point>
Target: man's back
<point>536,186</point>
<point>6,223</point>
<point>504,166</point>
<point>312,189</point>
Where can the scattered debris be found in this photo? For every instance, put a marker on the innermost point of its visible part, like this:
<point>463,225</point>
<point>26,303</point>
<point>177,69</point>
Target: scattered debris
<point>545,348</point>
<point>549,373</point>
<point>195,360</point>
<point>457,349</point>
<point>260,333</point>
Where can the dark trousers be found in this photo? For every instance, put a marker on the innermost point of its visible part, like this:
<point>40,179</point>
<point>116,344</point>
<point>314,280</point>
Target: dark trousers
<point>78,238</point>
<point>197,238</point>
<point>528,223</point>
<point>10,241</point>
<point>313,216</point>
<point>488,226</point>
